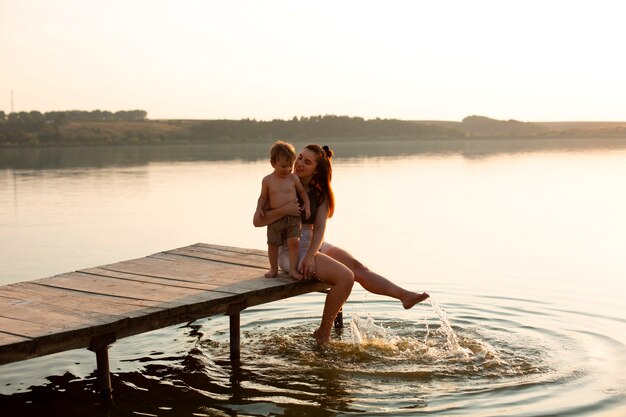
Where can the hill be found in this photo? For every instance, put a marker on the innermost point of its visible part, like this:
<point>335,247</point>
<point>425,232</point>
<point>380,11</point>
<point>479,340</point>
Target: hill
<point>484,127</point>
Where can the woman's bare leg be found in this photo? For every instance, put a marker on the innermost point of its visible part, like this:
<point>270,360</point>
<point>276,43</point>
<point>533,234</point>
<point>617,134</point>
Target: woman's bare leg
<point>373,282</point>
<point>341,280</point>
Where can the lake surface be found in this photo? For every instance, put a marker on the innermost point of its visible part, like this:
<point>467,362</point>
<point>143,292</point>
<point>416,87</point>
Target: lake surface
<point>520,244</point>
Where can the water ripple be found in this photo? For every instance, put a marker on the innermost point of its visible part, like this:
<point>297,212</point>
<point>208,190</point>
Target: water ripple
<point>475,358</point>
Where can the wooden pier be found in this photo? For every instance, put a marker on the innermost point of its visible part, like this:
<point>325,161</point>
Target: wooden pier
<point>92,308</point>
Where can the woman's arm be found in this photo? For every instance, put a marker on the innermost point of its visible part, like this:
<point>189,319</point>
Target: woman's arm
<point>264,198</point>
<point>304,196</point>
<point>319,228</point>
<point>268,216</point>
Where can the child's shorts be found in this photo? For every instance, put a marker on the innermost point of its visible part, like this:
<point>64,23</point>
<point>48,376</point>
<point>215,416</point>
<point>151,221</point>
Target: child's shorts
<point>283,229</point>
<point>305,244</point>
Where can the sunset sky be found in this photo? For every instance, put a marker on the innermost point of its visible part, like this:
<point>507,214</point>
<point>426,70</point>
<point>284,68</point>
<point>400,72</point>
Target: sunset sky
<point>414,60</point>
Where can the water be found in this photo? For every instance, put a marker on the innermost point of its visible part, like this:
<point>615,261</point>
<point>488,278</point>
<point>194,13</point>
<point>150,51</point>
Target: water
<point>519,244</point>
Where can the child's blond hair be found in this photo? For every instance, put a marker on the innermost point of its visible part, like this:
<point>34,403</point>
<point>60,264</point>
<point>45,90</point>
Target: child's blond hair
<point>282,149</point>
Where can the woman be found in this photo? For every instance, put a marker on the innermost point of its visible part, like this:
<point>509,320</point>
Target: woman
<point>320,260</point>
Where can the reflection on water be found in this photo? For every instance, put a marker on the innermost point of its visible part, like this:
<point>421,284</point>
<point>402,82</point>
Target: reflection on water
<point>520,247</point>
<point>137,155</point>
<point>125,156</point>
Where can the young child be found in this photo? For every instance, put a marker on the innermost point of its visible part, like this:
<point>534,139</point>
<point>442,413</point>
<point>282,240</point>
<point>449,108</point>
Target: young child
<point>280,187</point>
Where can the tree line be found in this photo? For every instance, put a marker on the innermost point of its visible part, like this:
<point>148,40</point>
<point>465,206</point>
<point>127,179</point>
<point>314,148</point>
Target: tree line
<point>33,120</point>
<point>328,126</point>
<point>78,127</point>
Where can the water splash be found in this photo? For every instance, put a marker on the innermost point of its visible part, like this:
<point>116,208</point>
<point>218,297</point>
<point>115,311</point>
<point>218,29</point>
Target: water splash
<point>367,331</point>
<point>424,344</point>
<point>446,329</point>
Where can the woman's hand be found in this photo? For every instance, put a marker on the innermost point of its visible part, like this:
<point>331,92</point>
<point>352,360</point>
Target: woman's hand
<point>291,208</point>
<point>309,268</point>
<point>266,216</point>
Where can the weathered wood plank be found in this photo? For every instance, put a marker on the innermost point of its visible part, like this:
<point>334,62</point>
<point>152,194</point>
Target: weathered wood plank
<point>152,278</point>
<point>226,258</point>
<point>55,317</point>
<point>251,255</point>
<point>24,328</point>
<point>217,256</point>
<point>203,265</point>
<point>228,249</point>
<point>7,339</point>
<point>180,280</point>
<point>223,278</point>
<point>36,291</point>
<point>28,292</point>
<point>191,270</point>
<point>112,286</point>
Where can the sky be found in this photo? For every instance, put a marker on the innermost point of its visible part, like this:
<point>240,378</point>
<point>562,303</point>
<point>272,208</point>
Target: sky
<point>547,60</point>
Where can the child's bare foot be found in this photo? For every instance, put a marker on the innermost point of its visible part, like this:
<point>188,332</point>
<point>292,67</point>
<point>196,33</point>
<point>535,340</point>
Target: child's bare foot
<point>413,298</point>
<point>271,273</point>
<point>296,275</point>
<point>321,340</point>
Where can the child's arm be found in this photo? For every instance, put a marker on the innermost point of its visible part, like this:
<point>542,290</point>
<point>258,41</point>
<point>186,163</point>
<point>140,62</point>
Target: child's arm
<point>306,204</point>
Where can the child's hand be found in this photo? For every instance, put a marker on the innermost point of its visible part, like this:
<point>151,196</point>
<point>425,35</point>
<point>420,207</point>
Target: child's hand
<point>307,211</point>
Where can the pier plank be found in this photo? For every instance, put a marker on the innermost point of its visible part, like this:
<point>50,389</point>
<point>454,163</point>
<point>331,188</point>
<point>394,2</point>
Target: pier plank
<point>220,256</point>
<point>262,254</point>
<point>6,339</point>
<point>153,278</point>
<point>179,278</point>
<point>189,270</point>
<point>59,317</point>
<point>24,328</point>
<point>28,292</point>
<point>194,266</point>
<point>113,286</point>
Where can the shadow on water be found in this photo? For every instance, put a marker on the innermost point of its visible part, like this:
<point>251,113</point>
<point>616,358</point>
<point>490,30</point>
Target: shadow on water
<point>199,382</point>
<point>139,155</point>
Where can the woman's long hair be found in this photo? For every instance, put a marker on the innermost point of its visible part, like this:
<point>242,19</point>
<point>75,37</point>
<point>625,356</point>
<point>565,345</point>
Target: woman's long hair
<point>323,175</point>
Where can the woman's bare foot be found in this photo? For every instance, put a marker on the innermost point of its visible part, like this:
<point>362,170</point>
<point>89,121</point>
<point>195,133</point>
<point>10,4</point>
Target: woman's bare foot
<point>296,275</point>
<point>413,298</point>
<point>321,340</point>
<point>271,273</point>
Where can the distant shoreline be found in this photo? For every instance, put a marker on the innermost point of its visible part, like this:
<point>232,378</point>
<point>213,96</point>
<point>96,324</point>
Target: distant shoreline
<point>76,129</point>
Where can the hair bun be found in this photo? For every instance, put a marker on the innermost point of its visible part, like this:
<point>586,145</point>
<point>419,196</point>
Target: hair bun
<point>329,152</point>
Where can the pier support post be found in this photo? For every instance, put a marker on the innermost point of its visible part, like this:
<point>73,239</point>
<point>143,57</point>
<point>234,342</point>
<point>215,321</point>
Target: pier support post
<point>233,312</point>
<point>100,345</point>
<point>339,320</point>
